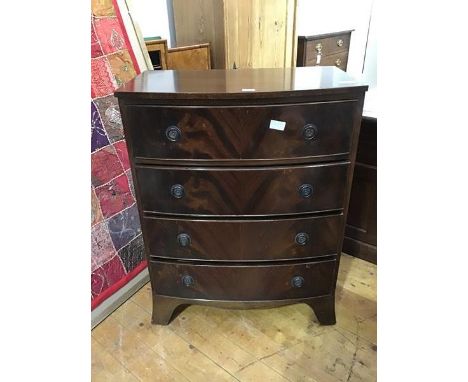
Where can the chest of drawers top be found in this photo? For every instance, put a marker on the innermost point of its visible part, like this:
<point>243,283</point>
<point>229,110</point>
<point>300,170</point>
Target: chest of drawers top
<point>240,86</point>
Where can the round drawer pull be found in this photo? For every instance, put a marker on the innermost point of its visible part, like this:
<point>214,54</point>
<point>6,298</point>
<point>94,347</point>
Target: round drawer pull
<point>339,42</point>
<point>187,280</point>
<point>305,190</point>
<point>297,282</point>
<point>177,191</point>
<point>301,238</point>
<point>173,133</point>
<point>309,132</point>
<point>184,239</point>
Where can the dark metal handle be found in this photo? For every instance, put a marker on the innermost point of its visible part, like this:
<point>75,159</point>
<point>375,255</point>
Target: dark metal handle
<point>309,132</point>
<point>177,191</point>
<point>173,133</point>
<point>187,280</point>
<point>302,238</point>
<point>184,239</point>
<point>297,282</point>
<point>305,190</point>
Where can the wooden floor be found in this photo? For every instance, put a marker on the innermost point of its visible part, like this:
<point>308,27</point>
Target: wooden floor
<point>210,344</point>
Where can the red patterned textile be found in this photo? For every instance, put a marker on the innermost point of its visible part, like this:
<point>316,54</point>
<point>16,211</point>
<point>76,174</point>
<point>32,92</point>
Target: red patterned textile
<point>117,253</point>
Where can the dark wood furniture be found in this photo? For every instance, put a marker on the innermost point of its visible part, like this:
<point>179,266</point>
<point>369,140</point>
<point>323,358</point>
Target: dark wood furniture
<point>324,49</point>
<point>242,180</point>
<point>361,225</point>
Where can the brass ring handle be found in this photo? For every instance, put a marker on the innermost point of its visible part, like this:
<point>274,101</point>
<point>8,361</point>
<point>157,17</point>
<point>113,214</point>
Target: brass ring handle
<point>339,42</point>
<point>318,47</point>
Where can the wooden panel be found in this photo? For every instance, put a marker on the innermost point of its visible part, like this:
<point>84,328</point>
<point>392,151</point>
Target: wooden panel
<point>193,57</point>
<point>259,33</point>
<point>198,22</point>
<point>229,133</point>
<point>362,215</point>
<point>254,191</point>
<point>357,248</point>
<point>238,283</point>
<point>243,240</point>
<point>361,224</point>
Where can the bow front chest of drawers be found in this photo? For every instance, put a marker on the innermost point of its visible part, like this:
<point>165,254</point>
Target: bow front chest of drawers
<point>242,179</point>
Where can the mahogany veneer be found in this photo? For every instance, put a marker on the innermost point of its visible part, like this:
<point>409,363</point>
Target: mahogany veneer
<point>242,179</point>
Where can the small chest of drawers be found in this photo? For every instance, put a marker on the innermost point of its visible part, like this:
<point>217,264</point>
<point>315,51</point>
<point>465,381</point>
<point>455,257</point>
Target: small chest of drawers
<point>242,179</point>
<point>324,49</point>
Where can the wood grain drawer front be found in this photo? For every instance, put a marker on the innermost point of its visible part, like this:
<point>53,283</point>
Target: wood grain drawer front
<point>243,240</point>
<point>242,283</point>
<point>233,133</point>
<point>257,191</point>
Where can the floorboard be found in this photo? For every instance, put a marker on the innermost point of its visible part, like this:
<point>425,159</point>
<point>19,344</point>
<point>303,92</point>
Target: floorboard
<point>280,344</point>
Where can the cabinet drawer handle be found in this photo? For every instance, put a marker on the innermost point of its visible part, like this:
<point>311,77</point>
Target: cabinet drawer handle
<point>184,239</point>
<point>173,133</point>
<point>305,190</point>
<point>177,191</point>
<point>309,132</point>
<point>339,42</point>
<point>338,62</point>
<point>187,280</point>
<point>301,238</point>
<point>297,282</point>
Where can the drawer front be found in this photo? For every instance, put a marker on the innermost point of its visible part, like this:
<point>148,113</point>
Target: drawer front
<point>242,192</point>
<point>233,133</point>
<point>242,283</point>
<point>340,60</point>
<point>243,240</point>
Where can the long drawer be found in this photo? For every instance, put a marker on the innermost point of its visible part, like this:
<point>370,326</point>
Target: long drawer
<point>232,133</point>
<point>243,240</point>
<point>240,282</point>
<point>258,191</point>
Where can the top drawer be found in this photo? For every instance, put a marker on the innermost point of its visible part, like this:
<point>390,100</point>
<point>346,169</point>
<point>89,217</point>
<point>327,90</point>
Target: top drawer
<point>231,133</point>
<point>328,45</point>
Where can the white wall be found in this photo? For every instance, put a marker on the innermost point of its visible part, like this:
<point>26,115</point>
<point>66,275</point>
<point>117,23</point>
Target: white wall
<point>326,16</point>
<point>151,17</point>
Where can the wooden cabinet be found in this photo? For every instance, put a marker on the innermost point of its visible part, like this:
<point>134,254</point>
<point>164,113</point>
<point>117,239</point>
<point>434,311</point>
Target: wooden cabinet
<point>157,51</point>
<point>192,57</point>
<point>242,34</point>
<point>325,49</point>
<point>361,226</point>
<point>243,195</point>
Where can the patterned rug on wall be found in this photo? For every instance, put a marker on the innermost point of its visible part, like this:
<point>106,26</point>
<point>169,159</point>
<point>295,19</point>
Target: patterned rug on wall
<point>117,253</point>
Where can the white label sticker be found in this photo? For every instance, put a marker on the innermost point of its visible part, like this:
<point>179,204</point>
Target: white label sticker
<point>248,90</point>
<point>277,125</point>
<point>319,58</point>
